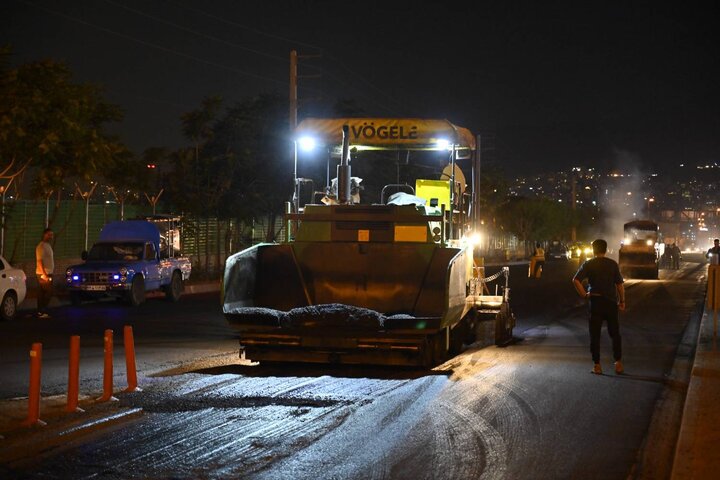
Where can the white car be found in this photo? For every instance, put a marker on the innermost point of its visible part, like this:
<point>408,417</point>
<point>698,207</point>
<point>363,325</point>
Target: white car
<point>12,289</point>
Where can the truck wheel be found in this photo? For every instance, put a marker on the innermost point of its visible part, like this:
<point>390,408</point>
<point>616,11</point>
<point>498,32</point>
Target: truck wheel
<point>136,295</point>
<point>75,299</point>
<point>174,290</point>
<point>8,307</point>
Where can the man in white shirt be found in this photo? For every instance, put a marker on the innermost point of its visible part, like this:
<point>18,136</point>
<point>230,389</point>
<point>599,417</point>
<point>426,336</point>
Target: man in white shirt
<point>44,266</point>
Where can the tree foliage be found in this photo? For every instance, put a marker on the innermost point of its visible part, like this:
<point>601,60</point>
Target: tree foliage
<point>254,134</point>
<point>239,165</point>
<point>535,219</point>
<point>53,124</point>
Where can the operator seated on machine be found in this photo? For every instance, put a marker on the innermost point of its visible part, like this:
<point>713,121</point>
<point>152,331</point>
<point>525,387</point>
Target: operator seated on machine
<point>331,195</point>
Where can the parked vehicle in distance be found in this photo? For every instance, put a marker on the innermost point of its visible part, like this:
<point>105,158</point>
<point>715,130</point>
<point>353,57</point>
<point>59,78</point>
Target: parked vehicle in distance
<point>130,258</point>
<point>13,288</point>
<point>557,251</point>
<point>581,251</point>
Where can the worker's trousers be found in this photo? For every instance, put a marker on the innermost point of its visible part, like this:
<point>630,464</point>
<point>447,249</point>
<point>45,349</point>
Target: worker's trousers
<point>604,309</point>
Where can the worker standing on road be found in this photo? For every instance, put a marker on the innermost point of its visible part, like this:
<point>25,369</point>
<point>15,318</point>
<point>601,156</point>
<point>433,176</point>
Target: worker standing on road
<point>44,266</point>
<point>606,294</point>
<point>714,251</point>
<point>675,256</point>
<point>537,262</point>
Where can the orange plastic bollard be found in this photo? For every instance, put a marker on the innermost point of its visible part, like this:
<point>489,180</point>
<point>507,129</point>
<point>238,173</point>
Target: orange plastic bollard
<point>108,368</point>
<point>34,395</point>
<point>130,360</point>
<point>74,376</point>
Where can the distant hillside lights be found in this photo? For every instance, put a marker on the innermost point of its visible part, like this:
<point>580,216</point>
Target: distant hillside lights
<point>707,167</point>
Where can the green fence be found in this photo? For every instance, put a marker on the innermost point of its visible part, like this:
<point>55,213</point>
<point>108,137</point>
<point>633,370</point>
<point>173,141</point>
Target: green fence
<point>25,222</point>
<point>207,241</point>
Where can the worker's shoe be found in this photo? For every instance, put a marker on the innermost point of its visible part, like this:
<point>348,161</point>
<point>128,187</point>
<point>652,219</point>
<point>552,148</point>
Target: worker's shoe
<point>597,369</point>
<point>619,367</point>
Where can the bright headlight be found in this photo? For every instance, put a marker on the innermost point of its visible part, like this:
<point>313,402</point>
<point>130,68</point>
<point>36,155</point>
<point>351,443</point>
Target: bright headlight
<point>306,143</point>
<point>473,239</point>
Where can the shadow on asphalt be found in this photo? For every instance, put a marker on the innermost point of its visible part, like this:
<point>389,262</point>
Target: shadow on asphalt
<point>269,369</point>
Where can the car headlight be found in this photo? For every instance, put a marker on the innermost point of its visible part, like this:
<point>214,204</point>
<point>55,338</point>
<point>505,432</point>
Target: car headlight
<point>68,272</point>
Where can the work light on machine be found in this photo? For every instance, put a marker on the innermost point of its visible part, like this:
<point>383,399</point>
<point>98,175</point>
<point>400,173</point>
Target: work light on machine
<point>443,144</point>
<point>473,239</point>
<point>306,143</point>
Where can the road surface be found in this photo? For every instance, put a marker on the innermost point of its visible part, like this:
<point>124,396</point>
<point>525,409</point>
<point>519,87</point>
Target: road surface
<point>529,410</point>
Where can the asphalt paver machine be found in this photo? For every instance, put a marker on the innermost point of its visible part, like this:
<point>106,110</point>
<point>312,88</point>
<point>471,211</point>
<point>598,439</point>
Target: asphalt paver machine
<point>389,281</point>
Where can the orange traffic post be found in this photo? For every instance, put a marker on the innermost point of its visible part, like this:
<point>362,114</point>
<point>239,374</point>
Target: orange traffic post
<point>34,396</point>
<point>108,368</point>
<point>130,360</point>
<point>74,376</point>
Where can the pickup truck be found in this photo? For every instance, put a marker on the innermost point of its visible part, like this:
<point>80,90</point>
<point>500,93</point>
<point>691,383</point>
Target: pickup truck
<point>127,261</point>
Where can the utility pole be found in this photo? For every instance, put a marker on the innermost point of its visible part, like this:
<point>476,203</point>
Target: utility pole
<point>293,90</point>
<point>293,114</point>
<point>573,203</point>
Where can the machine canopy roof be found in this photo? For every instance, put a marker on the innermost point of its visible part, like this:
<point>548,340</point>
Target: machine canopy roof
<point>387,133</point>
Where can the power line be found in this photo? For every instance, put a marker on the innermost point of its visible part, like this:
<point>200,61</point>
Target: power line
<point>152,45</point>
<point>251,29</point>
<point>322,51</point>
<point>195,32</point>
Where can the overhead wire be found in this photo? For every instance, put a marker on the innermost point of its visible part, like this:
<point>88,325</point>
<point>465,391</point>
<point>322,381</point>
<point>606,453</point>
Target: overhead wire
<point>152,45</point>
<point>195,32</point>
<point>320,50</point>
<point>231,44</point>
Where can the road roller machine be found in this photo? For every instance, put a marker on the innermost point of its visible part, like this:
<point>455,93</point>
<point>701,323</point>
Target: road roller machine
<point>638,256</point>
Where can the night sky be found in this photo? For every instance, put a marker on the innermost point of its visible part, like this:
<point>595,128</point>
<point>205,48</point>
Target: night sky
<point>551,84</point>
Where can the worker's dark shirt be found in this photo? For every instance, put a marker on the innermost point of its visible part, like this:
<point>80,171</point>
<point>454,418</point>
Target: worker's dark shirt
<point>602,274</point>
<point>715,250</point>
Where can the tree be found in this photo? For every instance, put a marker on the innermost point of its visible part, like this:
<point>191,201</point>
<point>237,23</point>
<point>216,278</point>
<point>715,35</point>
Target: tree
<point>251,140</point>
<point>535,219</point>
<point>130,176</point>
<point>53,125</point>
<point>198,124</point>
